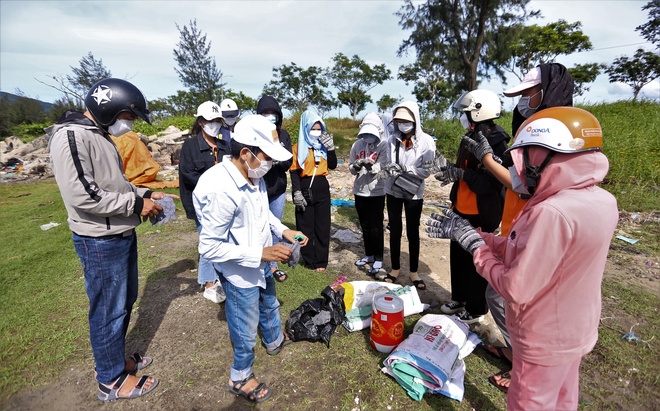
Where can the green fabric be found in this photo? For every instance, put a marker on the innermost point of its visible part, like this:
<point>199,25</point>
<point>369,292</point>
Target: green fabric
<point>406,374</point>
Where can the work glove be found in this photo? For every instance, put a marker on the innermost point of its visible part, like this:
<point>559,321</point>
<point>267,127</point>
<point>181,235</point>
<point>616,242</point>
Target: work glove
<point>450,225</point>
<point>435,165</point>
<point>359,164</point>
<point>375,168</point>
<point>299,200</point>
<point>449,174</point>
<point>327,140</point>
<point>480,147</point>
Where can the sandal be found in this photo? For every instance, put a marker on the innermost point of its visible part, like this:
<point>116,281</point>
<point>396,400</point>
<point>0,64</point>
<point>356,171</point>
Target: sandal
<point>498,353</point>
<point>364,261</point>
<point>252,396</point>
<point>388,278</point>
<point>375,268</point>
<point>110,392</point>
<point>419,284</point>
<point>504,375</point>
<point>140,362</point>
<point>276,350</point>
<point>280,276</point>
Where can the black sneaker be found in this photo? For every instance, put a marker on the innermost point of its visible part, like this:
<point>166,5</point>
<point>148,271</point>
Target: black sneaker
<point>467,318</point>
<point>452,307</point>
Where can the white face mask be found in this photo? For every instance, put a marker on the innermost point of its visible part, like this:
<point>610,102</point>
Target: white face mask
<point>315,133</point>
<point>260,171</point>
<point>465,122</point>
<point>517,185</point>
<point>230,121</point>
<point>523,105</point>
<point>120,127</point>
<point>212,128</point>
<point>405,128</point>
<point>271,117</point>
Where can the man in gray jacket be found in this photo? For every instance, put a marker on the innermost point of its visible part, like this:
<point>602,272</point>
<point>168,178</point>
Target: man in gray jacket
<point>103,210</point>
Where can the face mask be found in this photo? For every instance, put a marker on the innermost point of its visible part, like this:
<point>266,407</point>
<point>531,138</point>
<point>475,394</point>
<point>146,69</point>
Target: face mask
<point>212,128</point>
<point>516,183</point>
<point>120,127</point>
<point>230,121</point>
<point>465,122</point>
<point>271,117</point>
<point>315,133</point>
<point>370,139</point>
<point>405,128</point>
<point>523,105</point>
<point>264,167</point>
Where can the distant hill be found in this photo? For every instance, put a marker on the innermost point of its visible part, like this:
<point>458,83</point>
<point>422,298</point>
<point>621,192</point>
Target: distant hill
<point>13,97</point>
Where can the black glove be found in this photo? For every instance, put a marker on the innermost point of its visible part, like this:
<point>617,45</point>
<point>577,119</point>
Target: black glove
<point>435,165</point>
<point>449,225</point>
<point>449,174</point>
<point>479,148</point>
<point>299,200</point>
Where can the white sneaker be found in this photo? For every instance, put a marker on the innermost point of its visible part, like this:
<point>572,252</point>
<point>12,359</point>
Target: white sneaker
<point>215,293</point>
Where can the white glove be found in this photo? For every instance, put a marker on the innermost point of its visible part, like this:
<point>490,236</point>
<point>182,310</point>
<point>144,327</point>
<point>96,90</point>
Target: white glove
<point>327,140</point>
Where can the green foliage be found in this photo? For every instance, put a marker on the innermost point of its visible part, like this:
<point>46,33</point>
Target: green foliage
<point>534,44</point>
<point>180,122</point>
<point>432,89</point>
<point>196,67</point>
<point>89,72</point>
<point>246,104</point>
<point>296,88</point>
<point>651,29</point>
<point>23,110</point>
<point>637,72</point>
<point>353,78</point>
<point>460,37</point>
<point>28,132</point>
<point>584,74</point>
<point>387,103</point>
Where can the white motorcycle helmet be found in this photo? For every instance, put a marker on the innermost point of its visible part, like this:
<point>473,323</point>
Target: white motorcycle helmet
<point>481,104</point>
<point>229,110</point>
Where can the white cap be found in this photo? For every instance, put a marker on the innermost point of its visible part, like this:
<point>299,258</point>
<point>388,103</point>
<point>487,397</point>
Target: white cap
<point>209,110</point>
<point>532,78</point>
<point>368,128</point>
<point>257,130</point>
<point>229,108</point>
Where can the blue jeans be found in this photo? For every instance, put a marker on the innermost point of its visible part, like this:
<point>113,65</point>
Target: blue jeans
<point>246,310</point>
<point>110,266</point>
<point>276,206</point>
<point>205,271</point>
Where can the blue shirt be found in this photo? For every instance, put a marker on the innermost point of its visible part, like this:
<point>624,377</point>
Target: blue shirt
<point>236,223</point>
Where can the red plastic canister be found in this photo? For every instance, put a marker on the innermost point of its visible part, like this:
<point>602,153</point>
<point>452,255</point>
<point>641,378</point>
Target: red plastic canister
<point>386,322</point>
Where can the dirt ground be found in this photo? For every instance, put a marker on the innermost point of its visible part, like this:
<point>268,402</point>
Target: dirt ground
<point>190,345</point>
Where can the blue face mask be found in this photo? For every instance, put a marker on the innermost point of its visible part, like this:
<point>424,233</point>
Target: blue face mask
<point>271,117</point>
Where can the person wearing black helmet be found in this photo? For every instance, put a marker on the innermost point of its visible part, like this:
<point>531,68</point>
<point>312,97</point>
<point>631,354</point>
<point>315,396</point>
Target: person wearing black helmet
<point>103,210</point>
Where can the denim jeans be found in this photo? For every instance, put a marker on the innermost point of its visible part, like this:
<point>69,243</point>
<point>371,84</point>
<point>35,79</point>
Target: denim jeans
<point>205,271</point>
<point>110,266</point>
<point>276,206</point>
<point>246,310</point>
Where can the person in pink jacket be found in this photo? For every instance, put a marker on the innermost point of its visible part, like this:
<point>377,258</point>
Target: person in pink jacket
<point>550,267</point>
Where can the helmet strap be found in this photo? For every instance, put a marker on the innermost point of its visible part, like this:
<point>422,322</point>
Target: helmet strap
<point>532,172</point>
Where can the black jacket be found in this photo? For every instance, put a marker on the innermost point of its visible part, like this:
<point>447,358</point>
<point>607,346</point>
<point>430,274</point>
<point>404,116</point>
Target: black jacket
<point>196,157</point>
<point>488,189</point>
<point>275,179</point>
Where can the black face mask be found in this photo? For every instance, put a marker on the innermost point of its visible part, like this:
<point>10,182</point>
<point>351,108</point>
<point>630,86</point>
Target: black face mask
<point>532,172</point>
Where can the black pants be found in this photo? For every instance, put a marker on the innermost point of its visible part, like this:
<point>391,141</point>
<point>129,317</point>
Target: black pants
<point>370,214</point>
<point>314,222</point>
<point>413,213</point>
<point>466,284</point>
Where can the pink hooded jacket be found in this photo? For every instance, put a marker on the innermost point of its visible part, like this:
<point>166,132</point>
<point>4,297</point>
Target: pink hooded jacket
<point>550,267</point>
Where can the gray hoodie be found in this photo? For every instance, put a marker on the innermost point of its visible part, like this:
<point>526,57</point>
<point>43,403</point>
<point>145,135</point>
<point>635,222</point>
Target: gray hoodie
<point>423,149</point>
<point>366,184</point>
<point>89,172</point>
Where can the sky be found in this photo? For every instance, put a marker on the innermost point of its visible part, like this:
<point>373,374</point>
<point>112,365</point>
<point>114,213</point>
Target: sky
<point>135,40</point>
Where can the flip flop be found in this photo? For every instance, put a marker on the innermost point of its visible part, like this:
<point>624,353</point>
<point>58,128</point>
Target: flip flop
<point>504,375</point>
<point>280,276</point>
<point>498,353</point>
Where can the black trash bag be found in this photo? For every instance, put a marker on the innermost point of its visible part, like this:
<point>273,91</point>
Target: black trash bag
<point>317,319</point>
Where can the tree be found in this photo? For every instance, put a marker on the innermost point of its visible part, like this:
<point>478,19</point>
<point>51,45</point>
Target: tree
<point>651,29</point>
<point>197,69</point>
<point>353,78</point>
<point>75,87</point>
<point>245,103</point>
<point>584,74</point>
<point>461,36</point>
<point>534,45</point>
<point>637,72</point>
<point>297,88</point>
<point>432,88</point>
<point>387,102</point>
